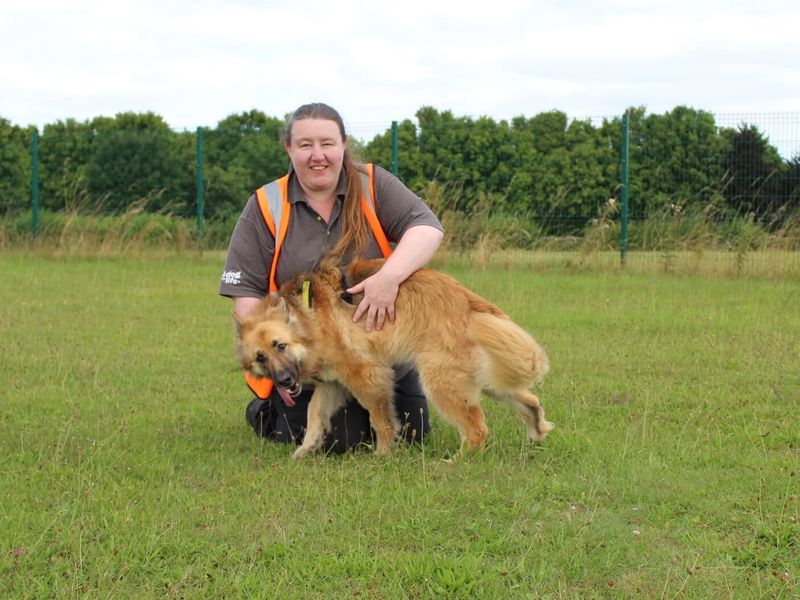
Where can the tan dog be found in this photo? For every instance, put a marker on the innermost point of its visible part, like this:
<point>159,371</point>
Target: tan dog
<point>461,344</point>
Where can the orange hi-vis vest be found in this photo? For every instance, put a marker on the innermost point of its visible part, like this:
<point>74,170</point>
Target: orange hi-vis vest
<point>273,202</point>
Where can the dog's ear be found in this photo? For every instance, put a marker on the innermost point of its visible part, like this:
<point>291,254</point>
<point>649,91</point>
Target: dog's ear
<point>329,271</point>
<point>329,263</point>
<point>283,305</point>
<point>290,315</point>
<point>360,269</point>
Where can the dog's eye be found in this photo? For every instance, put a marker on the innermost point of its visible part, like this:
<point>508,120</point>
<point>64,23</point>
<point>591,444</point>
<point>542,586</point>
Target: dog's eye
<point>260,358</point>
<point>279,346</point>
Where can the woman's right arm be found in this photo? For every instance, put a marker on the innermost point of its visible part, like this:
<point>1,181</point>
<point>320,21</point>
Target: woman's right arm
<point>242,305</point>
<point>248,260</point>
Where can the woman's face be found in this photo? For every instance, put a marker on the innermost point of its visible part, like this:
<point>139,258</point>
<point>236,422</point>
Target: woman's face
<point>316,149</point>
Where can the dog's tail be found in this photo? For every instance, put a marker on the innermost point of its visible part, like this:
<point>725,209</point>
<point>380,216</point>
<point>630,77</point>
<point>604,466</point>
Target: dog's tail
<point>516,359</point>
<point>482,305</point>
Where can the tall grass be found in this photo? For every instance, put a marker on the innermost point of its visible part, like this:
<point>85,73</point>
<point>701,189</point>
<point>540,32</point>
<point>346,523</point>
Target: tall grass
<point>711,227</point>
<point>75,232</point>
<point>696,240</point>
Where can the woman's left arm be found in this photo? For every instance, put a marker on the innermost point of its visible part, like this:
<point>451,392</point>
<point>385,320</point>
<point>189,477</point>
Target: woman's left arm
<point>415,248</point>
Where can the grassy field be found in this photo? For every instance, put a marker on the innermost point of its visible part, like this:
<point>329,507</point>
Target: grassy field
<point>127,470</point>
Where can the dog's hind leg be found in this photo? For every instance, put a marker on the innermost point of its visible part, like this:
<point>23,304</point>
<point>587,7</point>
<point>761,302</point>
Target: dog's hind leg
<point>456,395</point>
<point>325,402</point>
<point>528,407</point>
<point>373,387</point>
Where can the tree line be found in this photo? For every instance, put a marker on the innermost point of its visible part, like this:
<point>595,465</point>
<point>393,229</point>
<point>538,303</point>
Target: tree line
<point>547,164</point>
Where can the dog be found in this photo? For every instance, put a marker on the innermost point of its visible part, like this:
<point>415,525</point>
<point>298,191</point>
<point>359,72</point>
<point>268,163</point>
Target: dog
<point>461,343</point>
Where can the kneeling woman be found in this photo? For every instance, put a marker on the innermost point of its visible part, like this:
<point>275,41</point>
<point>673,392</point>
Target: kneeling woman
<point>325,203</point>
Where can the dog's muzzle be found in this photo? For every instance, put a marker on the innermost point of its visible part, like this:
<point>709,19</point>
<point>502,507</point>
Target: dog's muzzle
<point>295,390</point>
<point>289,381</point>
<point>289,394</point>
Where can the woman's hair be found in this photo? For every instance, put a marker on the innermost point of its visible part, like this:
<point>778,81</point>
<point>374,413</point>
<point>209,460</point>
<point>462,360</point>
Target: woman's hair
<point>355,229</point>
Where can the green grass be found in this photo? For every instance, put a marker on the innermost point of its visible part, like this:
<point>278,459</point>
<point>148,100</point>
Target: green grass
<point>127,470</point>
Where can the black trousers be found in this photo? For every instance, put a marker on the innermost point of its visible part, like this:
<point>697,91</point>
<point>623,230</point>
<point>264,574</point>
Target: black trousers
<point>272,419</point>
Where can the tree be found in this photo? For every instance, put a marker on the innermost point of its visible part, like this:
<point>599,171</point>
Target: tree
<point>562,170</point>
<point>752,167</point>
<point>379,151</point>
<point>674,158</point>
<point>136,157</point>
<point>787,190</point>
<point>65,152</point>
<point>591,176</point>
<point>15,167</point>
<point>476,159</point>
<point>549,131</point>
<point>545,165</point>
<point>680,163</point>
<point>243,152</point>
<point>442,139</point>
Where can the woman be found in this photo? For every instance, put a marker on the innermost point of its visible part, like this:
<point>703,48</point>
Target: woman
<point>322,200</point>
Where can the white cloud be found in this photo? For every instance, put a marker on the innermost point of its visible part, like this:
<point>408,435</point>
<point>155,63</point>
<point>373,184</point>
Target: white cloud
<point>197,62</point>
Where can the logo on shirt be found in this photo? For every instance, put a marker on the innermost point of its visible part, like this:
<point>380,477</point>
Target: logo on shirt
<point>232,277</point>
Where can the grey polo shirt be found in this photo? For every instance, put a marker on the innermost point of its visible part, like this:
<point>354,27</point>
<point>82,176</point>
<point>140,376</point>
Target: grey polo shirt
<point>252,246</point>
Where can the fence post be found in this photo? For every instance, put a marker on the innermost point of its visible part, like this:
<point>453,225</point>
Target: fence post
<point>395,150</point>
<point>199,163</point>
<point>36,226</point>
<point>623,225</point>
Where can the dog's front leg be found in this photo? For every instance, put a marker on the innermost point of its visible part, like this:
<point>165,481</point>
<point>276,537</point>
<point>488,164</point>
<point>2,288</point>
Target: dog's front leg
<point>373,387</point>
<point>326,400</point>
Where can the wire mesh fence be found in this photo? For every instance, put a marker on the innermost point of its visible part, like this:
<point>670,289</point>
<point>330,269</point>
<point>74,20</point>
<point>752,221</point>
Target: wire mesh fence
<point>696,180</point>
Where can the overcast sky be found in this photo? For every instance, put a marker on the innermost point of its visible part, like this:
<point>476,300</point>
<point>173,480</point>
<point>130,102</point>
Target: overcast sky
<point>195,62</point>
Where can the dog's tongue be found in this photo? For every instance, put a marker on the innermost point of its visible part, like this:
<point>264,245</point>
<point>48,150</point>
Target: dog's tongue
<point>287,399</point>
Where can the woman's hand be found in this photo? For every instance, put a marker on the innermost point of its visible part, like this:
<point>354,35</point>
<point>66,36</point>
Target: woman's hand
<point>380,292</point>
<point>413,251</point>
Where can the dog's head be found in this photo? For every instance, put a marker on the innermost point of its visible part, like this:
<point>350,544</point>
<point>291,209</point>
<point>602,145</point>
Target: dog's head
<point>269,344</point>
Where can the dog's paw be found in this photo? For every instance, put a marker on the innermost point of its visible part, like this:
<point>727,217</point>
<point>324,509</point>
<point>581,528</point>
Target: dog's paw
<point>536,436</point>
<point>301,452</point>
